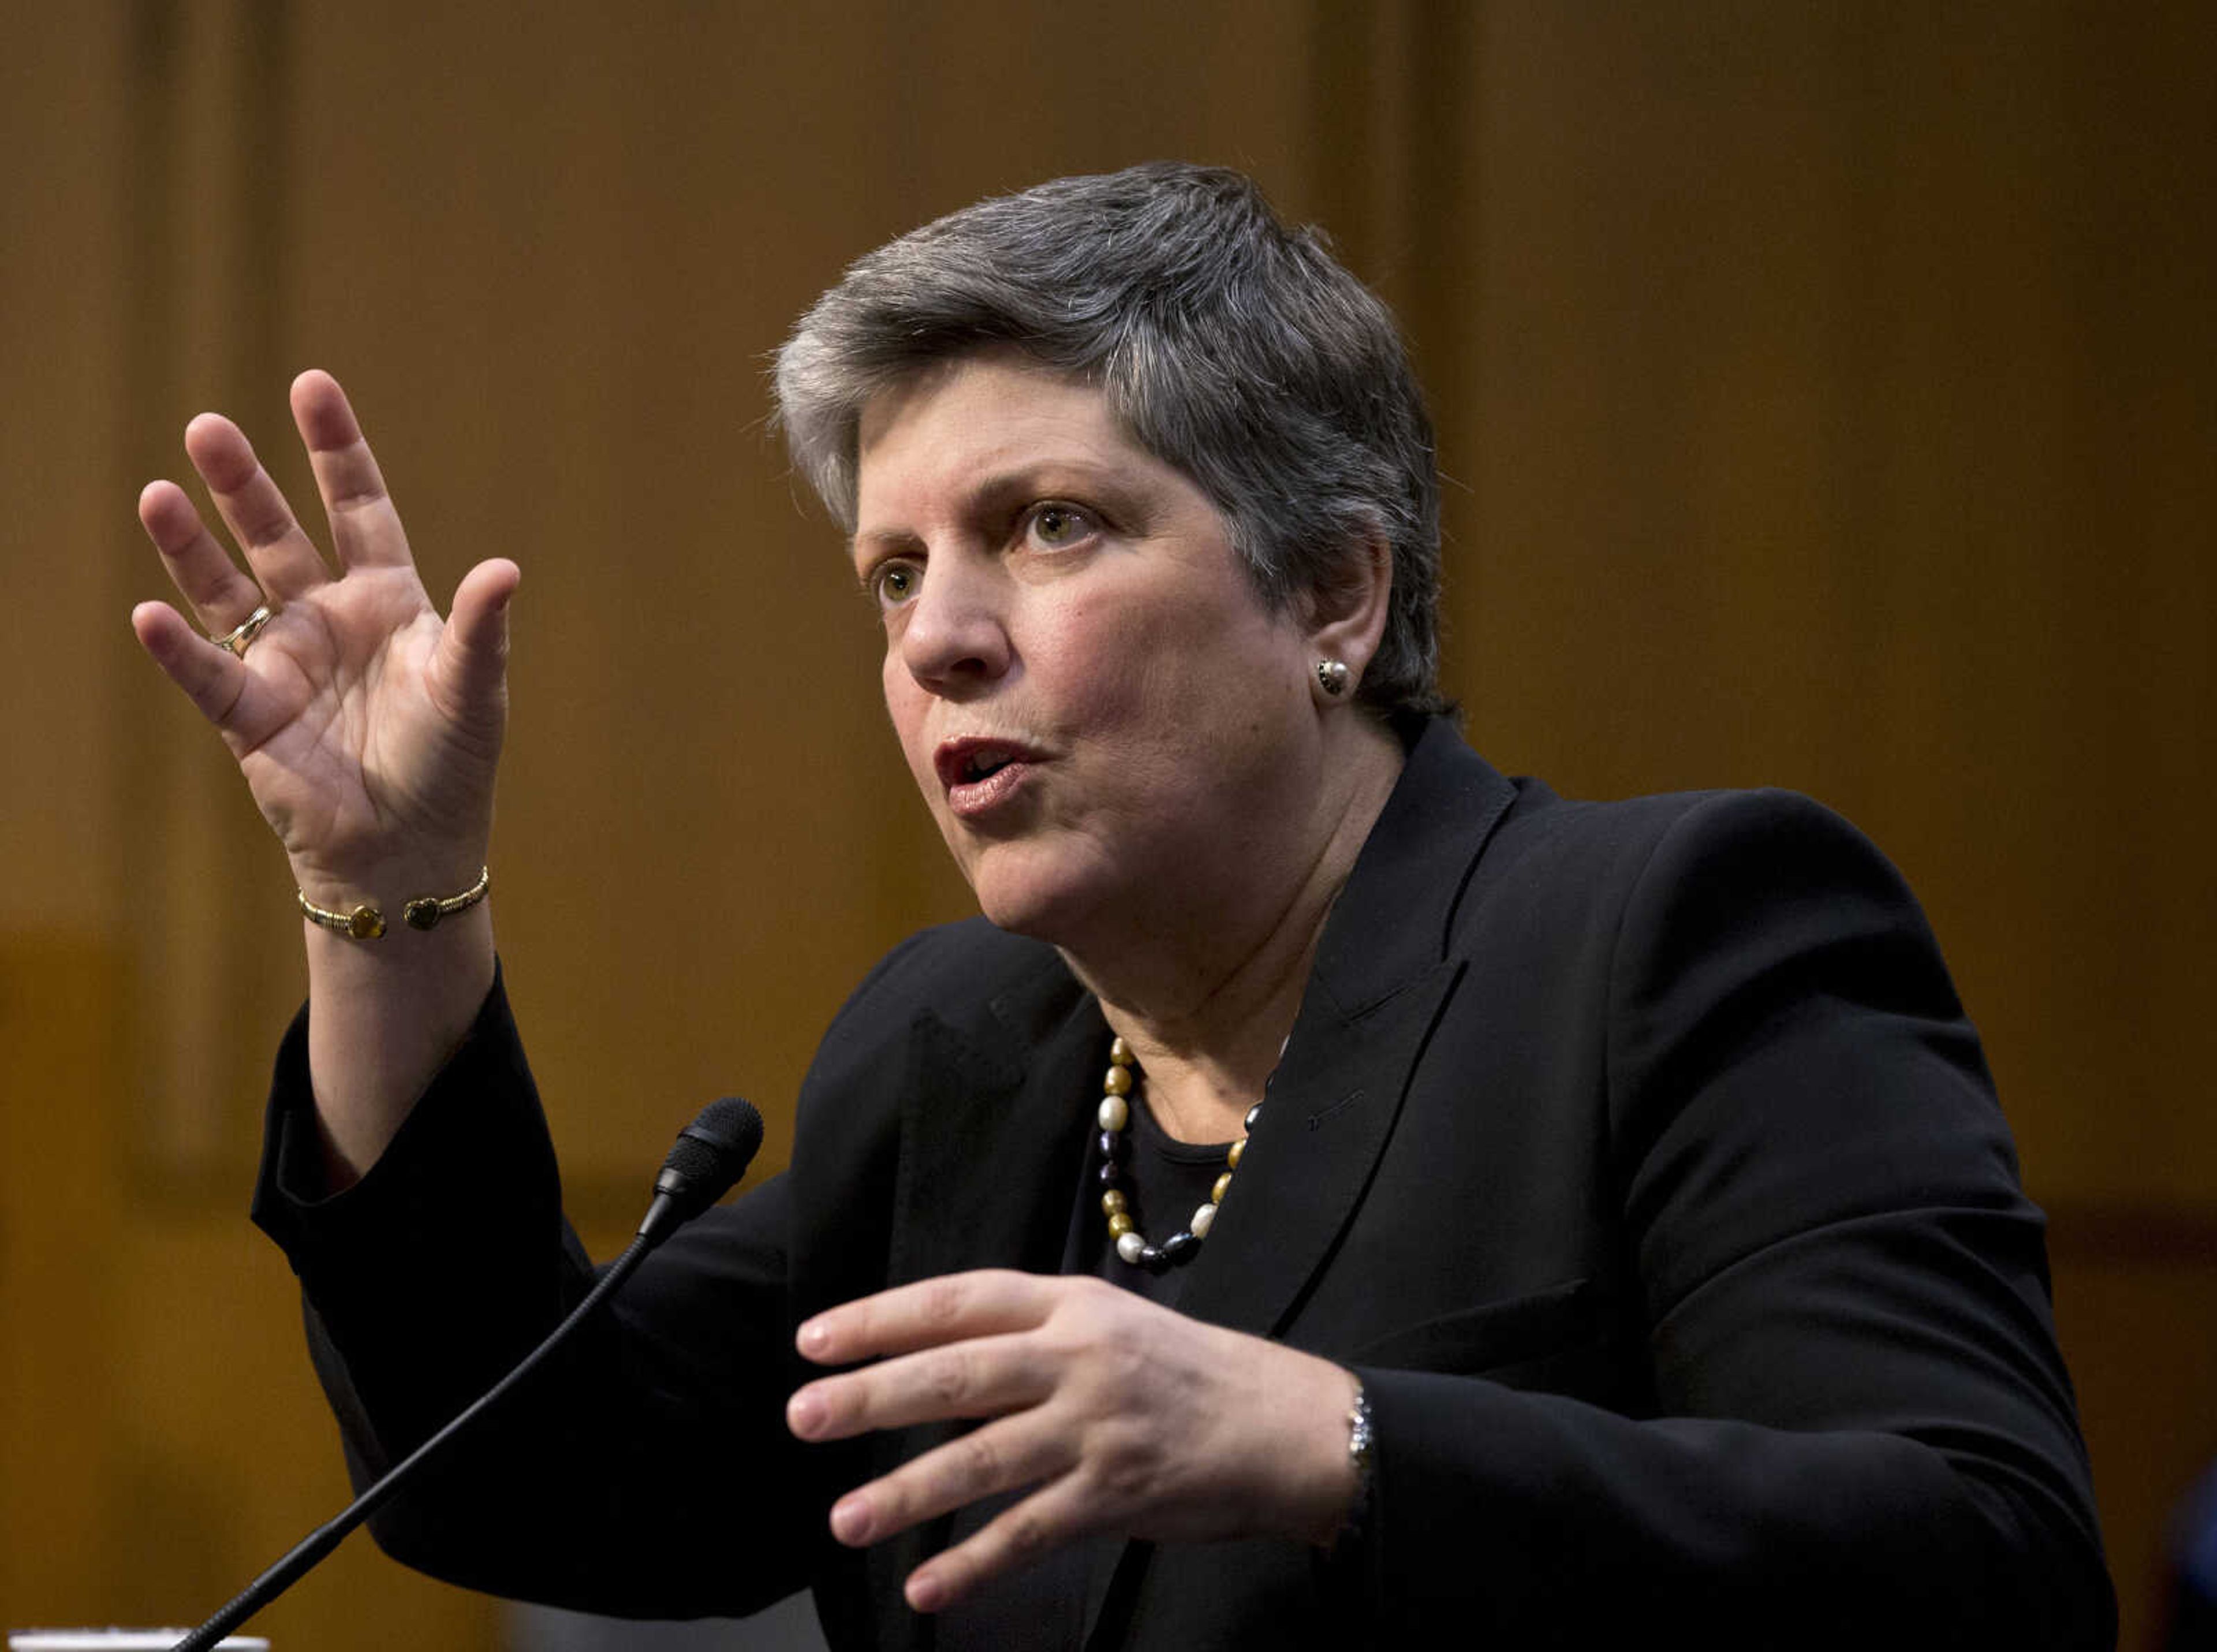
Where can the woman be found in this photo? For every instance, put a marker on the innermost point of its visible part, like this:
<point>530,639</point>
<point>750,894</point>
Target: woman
<point>1500,1215</point>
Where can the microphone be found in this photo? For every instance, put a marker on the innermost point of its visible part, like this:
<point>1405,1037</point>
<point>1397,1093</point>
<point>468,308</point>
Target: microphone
<point>710,1156</point>
<point>707,1159</point>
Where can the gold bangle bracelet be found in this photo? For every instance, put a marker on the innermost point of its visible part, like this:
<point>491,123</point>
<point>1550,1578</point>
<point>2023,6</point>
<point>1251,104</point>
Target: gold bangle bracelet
<point>365,923</point>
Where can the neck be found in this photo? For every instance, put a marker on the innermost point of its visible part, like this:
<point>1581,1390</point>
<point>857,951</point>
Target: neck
<point>1207,1003</point>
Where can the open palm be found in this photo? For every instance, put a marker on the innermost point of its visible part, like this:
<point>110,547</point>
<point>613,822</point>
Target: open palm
<point>368,728</point>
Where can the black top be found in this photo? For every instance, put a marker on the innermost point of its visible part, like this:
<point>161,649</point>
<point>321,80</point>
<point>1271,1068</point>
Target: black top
<point>1638,1157</point>
<point>1046,1604</point>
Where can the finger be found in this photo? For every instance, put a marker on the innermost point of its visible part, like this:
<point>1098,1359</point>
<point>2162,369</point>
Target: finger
<point>1056,1514</point>
<point>211,677</point>
<point>366,530</point>
<point>996,1458</point>
<point>978,1376</point>
<point>472,662</point>
<point>254,509</point>
<point>198,564</point>
<point>931,1311</point>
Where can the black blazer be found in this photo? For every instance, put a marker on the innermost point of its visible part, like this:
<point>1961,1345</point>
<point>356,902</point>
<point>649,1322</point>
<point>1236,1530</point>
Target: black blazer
<point>1638,1156</point>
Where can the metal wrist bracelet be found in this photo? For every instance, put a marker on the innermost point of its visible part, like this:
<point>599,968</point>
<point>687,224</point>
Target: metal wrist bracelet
<point>366,923</point>
<point>1360,1456</point>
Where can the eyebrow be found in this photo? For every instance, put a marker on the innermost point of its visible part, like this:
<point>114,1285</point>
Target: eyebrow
<point>1003,490</point>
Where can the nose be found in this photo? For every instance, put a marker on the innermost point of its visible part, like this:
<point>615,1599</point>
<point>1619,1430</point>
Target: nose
<point>954,637</point>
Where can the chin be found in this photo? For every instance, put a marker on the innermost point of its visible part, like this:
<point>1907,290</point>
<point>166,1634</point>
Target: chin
<point>1032,913</point>
<point>1041,897</point>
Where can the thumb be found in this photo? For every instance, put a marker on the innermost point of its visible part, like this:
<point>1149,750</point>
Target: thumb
<point>472,654</point>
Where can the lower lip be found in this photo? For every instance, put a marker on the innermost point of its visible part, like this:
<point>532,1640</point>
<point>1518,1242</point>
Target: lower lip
<point>974,798</point>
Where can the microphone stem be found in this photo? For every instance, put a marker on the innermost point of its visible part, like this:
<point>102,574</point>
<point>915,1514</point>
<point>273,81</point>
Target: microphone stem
<point>326,1537</point>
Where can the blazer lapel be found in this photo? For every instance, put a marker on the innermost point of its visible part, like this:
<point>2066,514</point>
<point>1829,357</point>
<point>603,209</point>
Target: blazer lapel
<point>993,1143</point>
<point>1383,974</point>
<point>1300,1180</point>
<point>1326,1118</point>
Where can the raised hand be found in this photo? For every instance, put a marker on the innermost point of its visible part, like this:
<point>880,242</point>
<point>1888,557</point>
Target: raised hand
<point>367,728</point>
<point>1122,1416</point>
<point>369,731</point>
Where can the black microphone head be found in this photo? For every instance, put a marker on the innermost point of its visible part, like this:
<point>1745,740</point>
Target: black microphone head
<point>729,1126</point>
<point>710,1156</point>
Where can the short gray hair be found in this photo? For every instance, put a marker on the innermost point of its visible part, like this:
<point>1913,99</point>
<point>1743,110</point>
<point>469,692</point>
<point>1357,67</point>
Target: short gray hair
<point>1228,345</point>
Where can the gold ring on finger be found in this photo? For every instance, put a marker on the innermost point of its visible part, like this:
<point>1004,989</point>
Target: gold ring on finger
<point>239,635</point>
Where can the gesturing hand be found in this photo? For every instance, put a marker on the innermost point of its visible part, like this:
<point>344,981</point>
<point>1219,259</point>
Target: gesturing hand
<point>366,729</point>
<point>1124,1415</point>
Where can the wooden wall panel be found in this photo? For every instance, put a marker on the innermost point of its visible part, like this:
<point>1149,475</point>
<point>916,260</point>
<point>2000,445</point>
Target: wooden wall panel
<point>64,278</point>
<point>1840,416</point>
<point>2139,1325</point>
<point>1840,420</point>
<point>62,1322</point>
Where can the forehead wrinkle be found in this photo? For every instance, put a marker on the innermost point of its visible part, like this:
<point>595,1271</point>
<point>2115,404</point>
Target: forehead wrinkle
<point>963,455</point>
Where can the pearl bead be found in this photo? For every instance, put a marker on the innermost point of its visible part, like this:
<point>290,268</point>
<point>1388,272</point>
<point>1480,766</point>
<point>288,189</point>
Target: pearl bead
<point>1113,1115</point>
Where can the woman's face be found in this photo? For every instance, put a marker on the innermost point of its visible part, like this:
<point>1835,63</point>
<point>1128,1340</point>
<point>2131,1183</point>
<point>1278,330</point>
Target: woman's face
<point>1105,721</point>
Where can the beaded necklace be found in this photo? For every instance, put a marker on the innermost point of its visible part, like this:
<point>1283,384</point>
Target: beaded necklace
<point>1115,1113</point>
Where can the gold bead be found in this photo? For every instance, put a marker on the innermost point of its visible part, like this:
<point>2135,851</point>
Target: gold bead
<point>1112,1201</point>
<point>365,923</point>
<point>1119,1081</point>
<point>1232,1159</point>
<point>1119,1225</point>
<point>1223,1185</point>
<point>1120,1053</point>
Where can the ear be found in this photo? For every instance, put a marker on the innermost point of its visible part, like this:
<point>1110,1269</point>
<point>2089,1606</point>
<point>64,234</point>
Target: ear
<point>1347,618</point>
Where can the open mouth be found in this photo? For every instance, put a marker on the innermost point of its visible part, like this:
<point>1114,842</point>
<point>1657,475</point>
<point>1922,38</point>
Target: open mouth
<point>978,774</point>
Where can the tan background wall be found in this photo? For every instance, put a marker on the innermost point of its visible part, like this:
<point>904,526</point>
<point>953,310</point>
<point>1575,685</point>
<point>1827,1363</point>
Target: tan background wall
<point>1829,395</point>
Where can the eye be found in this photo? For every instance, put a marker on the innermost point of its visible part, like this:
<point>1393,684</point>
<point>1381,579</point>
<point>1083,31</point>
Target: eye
<point>1058,526</point>
<point>891,583</point>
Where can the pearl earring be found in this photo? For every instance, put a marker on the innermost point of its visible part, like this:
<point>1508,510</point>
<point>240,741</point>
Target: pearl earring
<point>1331,677</point>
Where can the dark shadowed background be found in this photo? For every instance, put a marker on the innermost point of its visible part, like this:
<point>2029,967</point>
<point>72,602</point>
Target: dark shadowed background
<point>1828,394</point>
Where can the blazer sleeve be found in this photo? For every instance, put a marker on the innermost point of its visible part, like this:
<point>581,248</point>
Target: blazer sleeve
<point>1863,1432</point>
<point>647,1471</point>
